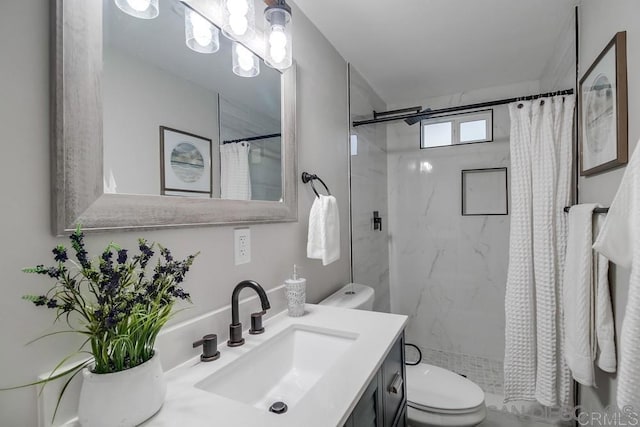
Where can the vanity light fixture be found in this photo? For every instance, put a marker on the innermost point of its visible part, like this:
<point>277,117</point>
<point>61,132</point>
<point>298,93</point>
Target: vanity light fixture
<point>245,63</point>
<point>201,35</point>
<point>278,52</point>
<point>143,9</point>
<point>239,19</point>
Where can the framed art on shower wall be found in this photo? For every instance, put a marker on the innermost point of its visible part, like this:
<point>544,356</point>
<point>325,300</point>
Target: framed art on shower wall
<point>185,164</point>
<point>602,110</point>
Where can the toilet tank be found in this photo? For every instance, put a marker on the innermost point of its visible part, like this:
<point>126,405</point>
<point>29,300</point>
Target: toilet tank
<point>352,295</point>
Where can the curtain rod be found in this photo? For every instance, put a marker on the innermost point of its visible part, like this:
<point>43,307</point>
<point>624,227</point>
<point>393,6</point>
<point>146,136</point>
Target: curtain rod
<point>252,138</point>
<point>428,113</point>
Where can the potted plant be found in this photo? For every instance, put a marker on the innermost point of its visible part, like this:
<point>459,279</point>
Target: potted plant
<point>120,307</point>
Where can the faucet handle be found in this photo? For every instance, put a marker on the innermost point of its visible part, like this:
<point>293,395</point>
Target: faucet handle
<point>209,345</point>
<point>256,323</point>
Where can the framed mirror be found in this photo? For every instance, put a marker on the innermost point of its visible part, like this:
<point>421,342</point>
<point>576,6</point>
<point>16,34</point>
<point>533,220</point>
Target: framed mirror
<point>150,133</point>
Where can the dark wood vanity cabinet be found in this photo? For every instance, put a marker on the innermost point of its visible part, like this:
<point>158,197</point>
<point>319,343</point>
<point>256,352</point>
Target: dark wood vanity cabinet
<point>384,402</point>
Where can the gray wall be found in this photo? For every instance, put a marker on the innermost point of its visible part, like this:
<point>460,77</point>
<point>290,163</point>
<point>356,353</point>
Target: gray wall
<point>139,97</point>
<point>599,21</point>
<point>369,192</point>
<point>26,233</point>
<point>448,271</point>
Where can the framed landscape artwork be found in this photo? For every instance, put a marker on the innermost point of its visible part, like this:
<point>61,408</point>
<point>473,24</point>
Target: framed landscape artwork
<point>185,164</point>
<point>602,110</point>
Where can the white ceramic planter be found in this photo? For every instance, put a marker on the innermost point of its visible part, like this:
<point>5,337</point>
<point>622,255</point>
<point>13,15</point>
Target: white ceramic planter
<point>122,399</point>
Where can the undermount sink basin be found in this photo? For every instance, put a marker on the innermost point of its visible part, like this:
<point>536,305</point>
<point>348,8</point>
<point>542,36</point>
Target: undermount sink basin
<point>282,369</point>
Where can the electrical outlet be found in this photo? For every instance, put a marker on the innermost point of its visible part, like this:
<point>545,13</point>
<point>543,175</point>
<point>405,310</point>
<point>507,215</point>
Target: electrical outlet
<point>242,238</point>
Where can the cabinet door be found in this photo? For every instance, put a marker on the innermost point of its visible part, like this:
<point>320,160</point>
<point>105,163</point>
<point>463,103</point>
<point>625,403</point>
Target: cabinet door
<point>368,411</point>
<point>393,384</point>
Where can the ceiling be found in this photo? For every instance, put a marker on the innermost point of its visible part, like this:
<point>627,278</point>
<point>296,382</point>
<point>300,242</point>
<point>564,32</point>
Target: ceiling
<point>409,50</point>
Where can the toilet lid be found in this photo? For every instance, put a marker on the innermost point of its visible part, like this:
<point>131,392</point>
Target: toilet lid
<point>439,390</point>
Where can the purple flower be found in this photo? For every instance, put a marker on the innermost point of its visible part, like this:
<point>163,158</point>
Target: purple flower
<point>110,321</point>
<point>81,255</point>
<point>146,252</point>
<point>179,293</point>
<point>107,255</point>
<point>54,273</point>
<point>52,303</point>
<point>122,256</point>
<point>60,253</point>
<point>166,253</point>
<point>77,241</point>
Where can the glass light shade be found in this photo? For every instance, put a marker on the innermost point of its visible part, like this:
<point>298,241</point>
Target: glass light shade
<point>245,63</point>
<point>200,34</point>
<point>278,47</point>
<point>239,19</point>
<point>143,9</point>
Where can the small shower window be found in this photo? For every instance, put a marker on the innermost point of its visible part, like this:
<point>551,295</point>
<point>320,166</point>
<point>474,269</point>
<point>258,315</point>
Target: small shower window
<point>465,128</point>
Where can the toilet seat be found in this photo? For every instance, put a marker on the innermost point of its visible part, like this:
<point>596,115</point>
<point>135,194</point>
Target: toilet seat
<point>438,397</point>
<point>424,408</point>
<point>434,389</point>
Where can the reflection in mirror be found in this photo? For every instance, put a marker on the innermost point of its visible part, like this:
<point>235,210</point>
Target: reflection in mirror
<point>180,123</point>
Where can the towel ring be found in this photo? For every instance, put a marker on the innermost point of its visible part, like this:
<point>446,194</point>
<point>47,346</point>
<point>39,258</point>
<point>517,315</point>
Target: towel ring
<point>307,177</point>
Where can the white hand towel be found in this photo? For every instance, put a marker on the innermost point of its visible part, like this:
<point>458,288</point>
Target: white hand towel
<point>578,295</point>
<point>619,241</point>
<point>324,230</point>
<point>605,327</point>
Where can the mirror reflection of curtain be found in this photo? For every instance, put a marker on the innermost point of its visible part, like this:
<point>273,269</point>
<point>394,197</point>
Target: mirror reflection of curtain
<point>235,178</point>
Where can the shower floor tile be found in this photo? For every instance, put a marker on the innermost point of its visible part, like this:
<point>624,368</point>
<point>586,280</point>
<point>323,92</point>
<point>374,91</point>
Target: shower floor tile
<point>487,373</point>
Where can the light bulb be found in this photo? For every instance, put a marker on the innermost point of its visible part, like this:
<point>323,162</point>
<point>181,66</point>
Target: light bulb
<point>201,29</point>
<point>277,53</point>
<point>239,24</point>
<point>139,5</point>
<point>277,38</point>
<point>237,7</point>
<point>277,43</point>
<point>245,57</point>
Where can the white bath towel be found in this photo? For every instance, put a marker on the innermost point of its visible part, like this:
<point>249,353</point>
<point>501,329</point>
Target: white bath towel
<point>619,241</point>
<point>588,318</point>
<point>324,230</point>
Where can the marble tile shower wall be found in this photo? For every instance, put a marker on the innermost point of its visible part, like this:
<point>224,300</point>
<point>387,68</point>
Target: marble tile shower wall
<point>370,249</point>
<point>448,271</point>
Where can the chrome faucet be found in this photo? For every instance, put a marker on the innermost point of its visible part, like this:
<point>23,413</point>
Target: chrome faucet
<point>235,328</point>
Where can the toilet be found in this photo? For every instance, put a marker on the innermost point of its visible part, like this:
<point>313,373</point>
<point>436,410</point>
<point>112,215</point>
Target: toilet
<point>435,396</point>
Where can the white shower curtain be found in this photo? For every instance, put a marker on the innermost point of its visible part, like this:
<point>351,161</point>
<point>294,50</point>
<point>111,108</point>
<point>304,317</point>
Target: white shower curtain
<point>235,177</point>
<point>541,165</point>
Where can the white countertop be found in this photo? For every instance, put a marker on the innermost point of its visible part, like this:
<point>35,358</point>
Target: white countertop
<point>328,403</point>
